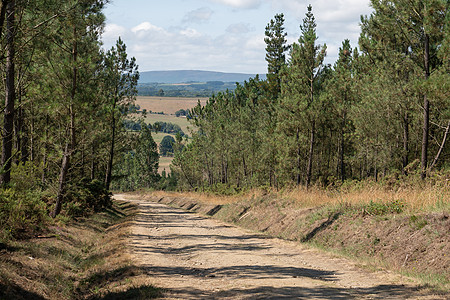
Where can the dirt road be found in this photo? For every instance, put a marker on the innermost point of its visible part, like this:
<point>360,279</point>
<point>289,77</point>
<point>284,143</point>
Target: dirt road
<point>193,257</point>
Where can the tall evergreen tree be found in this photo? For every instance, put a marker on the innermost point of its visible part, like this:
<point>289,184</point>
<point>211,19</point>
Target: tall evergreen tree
<point>416,30</point>
<point>299,92</point>
<point>79,41</point>
<point>340,91</point>
<point>121,77</point>
<point>9,8</point>
<point>276,48</point>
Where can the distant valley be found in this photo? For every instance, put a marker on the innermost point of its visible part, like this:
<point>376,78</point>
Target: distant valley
<point>190,76</point>
<point>189,83</point>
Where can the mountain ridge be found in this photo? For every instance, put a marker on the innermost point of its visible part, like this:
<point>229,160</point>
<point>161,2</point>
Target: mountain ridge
<point>185,76</point>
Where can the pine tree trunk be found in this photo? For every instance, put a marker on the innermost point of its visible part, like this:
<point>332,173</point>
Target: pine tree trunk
<point>426,112</point>
<point>44,165</point>
<point>405,143</point>
<point>18,129</point>
<point>341,153</point>
<point>310,156</point>
<point>111,149</point>
<point>70,145</point>
<point>2,14</point>
<point>93,162</point>
<point>62,181</point>
<point>297,139</point>
<point>21,140</point>
<point>8,127</point>
<point>444,140</point>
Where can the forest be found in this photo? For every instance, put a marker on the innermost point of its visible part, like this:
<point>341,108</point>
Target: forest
<point>64,100</point>
<point>196,89</point>
<point>381,111</point>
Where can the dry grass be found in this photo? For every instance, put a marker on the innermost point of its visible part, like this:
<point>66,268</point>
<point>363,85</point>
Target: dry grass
<point>169,105</point>
<point>413,198</point>
<point>88,259</point>
<point>206,198</point>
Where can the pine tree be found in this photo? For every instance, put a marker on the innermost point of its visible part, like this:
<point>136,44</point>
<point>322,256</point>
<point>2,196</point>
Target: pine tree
<point>9,8</point>
<point>341,98</point>
<point>299,91</point>
<point>121,77</point>
<point>275,53</point>
<point>413,29</point>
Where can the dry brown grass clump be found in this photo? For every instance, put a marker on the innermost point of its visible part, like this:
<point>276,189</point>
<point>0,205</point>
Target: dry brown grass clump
<point>207,198</point>
<point>421,198</point>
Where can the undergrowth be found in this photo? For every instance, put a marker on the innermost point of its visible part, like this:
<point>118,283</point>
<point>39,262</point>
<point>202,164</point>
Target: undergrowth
<point>24,210</point>
<point>87,259</point>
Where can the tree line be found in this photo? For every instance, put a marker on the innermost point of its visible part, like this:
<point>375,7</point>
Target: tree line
<point>380,110</point>
<point>194,89</point>
<point>63,103</point>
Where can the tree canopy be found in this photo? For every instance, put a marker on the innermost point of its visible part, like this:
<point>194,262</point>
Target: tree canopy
<point>379,111</point>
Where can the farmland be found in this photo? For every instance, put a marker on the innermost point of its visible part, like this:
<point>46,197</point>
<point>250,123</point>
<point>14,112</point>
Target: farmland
<point>181,121</point>
<point>168,105</point>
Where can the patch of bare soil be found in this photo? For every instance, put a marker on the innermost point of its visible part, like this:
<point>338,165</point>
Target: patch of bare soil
<point>194,257</point>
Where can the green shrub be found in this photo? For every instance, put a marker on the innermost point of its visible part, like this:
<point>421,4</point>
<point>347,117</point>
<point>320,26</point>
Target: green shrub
<point>22,213</point>
<point>26,176</point>
<point>85,197</point>
<point>383,208</point>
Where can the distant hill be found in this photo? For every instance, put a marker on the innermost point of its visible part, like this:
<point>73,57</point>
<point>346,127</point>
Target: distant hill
<point>184,76</point>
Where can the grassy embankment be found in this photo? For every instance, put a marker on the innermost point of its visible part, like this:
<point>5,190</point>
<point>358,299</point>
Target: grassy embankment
<point>86,259</point>
<point>406,229</point>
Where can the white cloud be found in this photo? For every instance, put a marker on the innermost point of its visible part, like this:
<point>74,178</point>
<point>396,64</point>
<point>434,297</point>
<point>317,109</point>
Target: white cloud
<point>146,26</point>
<point>240,28</point>
<point>191,33</point>
<point>247,4</point>
<point>336,20</point>
<point>199,15</point>
<point>327,11</point>
<point>112,31</point>
<point>256,43</point>
<point>233,43</point>
<point>190,49</point>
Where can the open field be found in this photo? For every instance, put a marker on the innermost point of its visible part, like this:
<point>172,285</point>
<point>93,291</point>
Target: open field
<point>182,122</point>
<point>164,164</point>
<point>169,105</point>
<point>158,137</point>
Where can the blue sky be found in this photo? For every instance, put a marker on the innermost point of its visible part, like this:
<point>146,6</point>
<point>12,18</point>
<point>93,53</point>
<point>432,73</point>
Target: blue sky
<point>221,35</point>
